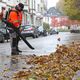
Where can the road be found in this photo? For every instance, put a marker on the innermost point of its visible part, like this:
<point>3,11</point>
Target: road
<point>43,45</point>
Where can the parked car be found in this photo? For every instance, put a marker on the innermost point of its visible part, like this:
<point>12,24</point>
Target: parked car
<point>74,29</point>
<point>5,32</point>
<point>53,32</point>
<point>42,32</point>
<point>40,29</point>
<point>1,37</point>
<point>30,31</point>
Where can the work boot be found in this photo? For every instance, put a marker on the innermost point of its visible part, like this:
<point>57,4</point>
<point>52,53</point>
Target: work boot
<point>14,53</point>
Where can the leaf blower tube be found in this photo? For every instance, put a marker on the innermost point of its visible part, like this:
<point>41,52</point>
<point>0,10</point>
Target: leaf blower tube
<point>18,32</point>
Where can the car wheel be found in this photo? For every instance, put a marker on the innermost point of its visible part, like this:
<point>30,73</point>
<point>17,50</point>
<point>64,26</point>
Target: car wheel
<point>57,32</point>
<point>3,40</point>
<point>33,36</point>
<point>37,36</point>
<point>50,33</point>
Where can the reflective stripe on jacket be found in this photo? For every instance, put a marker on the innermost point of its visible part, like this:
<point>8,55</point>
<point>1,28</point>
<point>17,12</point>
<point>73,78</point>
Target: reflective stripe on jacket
<point>15,17</point>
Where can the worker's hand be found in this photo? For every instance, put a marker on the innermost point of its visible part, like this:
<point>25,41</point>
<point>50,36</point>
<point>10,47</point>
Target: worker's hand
<point>20,28</point>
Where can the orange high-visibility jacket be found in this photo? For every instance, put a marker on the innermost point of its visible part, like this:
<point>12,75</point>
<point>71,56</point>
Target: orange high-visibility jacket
<point>15,18</point>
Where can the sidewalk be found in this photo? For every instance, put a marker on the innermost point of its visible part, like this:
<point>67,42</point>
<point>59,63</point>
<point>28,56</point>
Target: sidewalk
<point>12,64</point>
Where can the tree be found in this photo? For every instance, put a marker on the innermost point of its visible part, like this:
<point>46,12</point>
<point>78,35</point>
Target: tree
<point>46,26</point>
<point>77,4</point>
<point>70,8</point>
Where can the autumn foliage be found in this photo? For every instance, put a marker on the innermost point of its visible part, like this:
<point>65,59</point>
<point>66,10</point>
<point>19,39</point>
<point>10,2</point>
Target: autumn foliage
<point>60,65</point>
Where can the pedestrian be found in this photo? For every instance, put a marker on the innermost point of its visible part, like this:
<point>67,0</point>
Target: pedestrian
<point>1,15</point>
<point>15,17</point>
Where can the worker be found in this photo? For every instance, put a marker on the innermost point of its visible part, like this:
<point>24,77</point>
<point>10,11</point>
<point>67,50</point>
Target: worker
<point>1,15</point>
<point>15,17</point>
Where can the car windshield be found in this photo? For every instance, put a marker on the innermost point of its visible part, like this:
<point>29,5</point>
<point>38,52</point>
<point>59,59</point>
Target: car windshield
<point>26,27</point>
<point>3,30</point>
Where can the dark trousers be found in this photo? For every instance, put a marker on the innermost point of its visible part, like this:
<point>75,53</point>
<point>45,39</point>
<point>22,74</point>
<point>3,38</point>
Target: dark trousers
<point>14,43</point>
<point>17,41</point>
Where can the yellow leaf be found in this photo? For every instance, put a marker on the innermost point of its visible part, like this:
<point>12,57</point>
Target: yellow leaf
<point>50,78</point>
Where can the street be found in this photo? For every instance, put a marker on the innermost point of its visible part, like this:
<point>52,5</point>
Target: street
<point>43,45</point>
<point>55,56</point>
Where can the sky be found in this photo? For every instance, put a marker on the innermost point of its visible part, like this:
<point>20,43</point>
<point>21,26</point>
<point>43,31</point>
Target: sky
<point>51,3</point>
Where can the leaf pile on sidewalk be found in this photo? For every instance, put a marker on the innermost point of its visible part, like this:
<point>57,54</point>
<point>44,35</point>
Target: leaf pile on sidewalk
<point>60,65</point>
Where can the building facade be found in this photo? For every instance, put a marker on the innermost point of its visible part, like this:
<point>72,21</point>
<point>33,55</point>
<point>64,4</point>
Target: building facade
<point>41,8</point>
<point>8,4</point>
<point>33,10</point>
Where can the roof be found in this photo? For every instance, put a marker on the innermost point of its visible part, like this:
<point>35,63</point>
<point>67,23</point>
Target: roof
<point>53,12</point>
